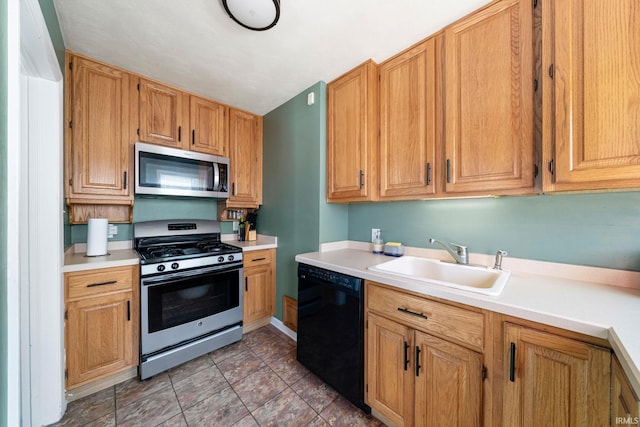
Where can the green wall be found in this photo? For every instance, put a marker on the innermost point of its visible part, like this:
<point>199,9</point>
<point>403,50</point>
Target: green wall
<point>53,26</point>
<point>601,230</point>
<point>149,209</point>
<point>294,207</point>
<point>3,212</point>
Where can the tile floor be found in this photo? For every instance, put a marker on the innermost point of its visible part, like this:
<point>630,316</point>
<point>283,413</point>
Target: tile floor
<point>256,382</point>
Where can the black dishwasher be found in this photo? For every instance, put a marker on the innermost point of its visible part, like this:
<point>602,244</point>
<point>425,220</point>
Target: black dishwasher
<point>331,330</point>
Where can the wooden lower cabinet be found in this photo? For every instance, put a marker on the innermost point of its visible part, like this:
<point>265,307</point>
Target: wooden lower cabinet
<point>415,378</point>
<point>625,404</point>
<point>551,380</point>
<point>448,383</point>
<point>101,324</point>
<point>422,371</point>
<point>259,288</point>
<point>389,377</point>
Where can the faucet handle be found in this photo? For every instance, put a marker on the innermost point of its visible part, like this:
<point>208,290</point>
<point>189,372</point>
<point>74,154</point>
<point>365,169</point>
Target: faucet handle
<point>460,249</point>
<point>462,252</point>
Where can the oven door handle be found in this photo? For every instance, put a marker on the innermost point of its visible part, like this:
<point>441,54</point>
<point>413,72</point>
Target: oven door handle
<point>163,279</point>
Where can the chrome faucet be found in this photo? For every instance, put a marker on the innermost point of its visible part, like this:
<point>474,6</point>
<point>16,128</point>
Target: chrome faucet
<point>460,255</point>
<point>498,263</point>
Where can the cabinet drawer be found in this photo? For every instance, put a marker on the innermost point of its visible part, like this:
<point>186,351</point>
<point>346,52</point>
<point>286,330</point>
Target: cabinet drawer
<point>452,323</point>
<point>253,258</point>
<point>88,283</point>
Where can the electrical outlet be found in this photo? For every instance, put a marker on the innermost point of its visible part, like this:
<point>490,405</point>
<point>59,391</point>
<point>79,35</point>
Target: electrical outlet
<point>374,233</point>
<point>112,230</point>
<point>236,224</point>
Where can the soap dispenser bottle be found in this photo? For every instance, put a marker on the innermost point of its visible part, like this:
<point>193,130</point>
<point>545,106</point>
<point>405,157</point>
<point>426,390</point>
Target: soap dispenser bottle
<point>378,244</point>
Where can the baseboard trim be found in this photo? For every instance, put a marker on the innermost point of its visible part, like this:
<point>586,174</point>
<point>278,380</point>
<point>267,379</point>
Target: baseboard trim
<point>279,325</point>
<point>93,387</point>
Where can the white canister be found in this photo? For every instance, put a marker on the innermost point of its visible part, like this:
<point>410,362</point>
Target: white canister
<point>97,236</point>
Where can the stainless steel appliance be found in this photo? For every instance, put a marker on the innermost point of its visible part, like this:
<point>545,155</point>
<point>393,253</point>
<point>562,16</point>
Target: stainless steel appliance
<point>190,292</point>
<point>171,172</point>
<point>331,330</point>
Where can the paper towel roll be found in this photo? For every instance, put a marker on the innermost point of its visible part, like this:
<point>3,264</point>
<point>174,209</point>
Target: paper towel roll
<point>97,236</point>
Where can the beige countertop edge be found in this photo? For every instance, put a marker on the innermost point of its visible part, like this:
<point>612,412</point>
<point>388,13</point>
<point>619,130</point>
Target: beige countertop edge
<point>77,261</point>
<point>594,309</point>
<point>121,253</point>
<point>262,242</point>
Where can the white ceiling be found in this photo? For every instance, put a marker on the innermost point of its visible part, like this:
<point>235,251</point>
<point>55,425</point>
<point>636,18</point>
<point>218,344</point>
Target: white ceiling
<point>194,45</point>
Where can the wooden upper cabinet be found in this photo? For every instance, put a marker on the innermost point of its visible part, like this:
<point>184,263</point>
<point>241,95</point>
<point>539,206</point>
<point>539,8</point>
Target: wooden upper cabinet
<point>489,97</point>
<point>592,63</point>
<point>99,138</point>
<point>408,102</point>
<point>245,155</point>
<point>209,130</point>
<point>554,381</point>
<point>352,135</point>
<point>164,115</point>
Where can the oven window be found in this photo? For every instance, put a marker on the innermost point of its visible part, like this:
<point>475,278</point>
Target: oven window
<point>184,300</point>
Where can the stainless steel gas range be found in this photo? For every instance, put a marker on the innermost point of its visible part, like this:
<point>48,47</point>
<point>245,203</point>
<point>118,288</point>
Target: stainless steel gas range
<point>190,292</point>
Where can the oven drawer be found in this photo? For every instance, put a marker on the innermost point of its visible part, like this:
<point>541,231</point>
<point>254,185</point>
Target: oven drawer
<point>454,323</point>
<point>260,257</point>
<point>81,284</point>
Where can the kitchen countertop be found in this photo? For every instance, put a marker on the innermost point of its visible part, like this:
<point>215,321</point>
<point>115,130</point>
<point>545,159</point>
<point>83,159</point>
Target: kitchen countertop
<point>262,242</point>
<point>121,253</point>
<point>579,305</point>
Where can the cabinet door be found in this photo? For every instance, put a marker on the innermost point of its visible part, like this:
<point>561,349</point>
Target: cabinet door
<point>99,337</point>
<point>554,381</point>
<point>352,135</point>
<point>245,154</point>
<point>208,126</point>
<point>257,301</point>
<point>489,100</point>
<point>100,131</point>
<point>408,123</point>
<point>625,405</point>
<point>596,58</point>
<point>164,115</point>
<point>390,369</point>
<point>448,383</point>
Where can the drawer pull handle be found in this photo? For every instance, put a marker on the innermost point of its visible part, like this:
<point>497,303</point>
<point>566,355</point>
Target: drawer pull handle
<point>128,311</point>
<point>417,362</point>
<point>110,282</point>
<point>406,355</point>
<point>246,284</point>
<point>258,259</point>
<point>512,363</point>
<point>413,313</point>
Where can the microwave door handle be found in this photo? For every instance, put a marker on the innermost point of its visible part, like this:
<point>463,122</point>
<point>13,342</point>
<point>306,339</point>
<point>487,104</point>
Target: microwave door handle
<point>216,177</point>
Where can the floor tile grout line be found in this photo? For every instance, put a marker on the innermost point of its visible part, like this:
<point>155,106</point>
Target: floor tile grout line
<point>115,406</point>
<point>245,406</point>
<point>267,338</point>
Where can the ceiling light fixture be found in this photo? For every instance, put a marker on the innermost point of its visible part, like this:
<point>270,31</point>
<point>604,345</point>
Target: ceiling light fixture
<point>257,15</point>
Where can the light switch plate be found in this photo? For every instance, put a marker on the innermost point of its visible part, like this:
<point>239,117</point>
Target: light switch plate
<point>374,233</point>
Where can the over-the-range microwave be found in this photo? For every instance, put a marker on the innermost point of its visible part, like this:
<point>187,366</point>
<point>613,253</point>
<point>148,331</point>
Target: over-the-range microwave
<point>169,171</point>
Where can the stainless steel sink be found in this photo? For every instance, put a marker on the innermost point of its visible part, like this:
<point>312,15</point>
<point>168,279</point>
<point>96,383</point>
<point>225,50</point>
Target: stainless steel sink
<point>471,278</point>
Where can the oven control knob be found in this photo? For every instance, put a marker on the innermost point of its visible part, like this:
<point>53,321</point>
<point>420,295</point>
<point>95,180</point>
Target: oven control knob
<point>231,258</point>
<point>220,259</point>
<point>160,267</point>
<point>175,265</point>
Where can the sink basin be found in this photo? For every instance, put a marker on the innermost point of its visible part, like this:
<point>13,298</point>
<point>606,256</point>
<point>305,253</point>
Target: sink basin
<point>470,278</point>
